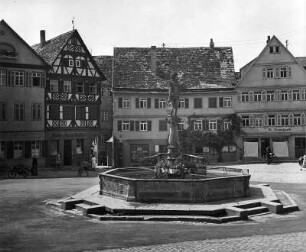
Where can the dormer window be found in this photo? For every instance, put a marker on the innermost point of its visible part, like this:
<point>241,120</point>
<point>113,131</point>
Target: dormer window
<point>274,49</point>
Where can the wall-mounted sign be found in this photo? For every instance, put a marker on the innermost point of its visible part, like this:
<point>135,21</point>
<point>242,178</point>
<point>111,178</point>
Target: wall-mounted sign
<point>275,129</point>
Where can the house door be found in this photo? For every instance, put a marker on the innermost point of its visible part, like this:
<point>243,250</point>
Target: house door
<point>67,152</point>
<point>265,142</point>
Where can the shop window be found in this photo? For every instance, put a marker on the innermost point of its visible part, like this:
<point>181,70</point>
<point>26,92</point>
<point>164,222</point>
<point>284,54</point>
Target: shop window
<point>79,146</point>
<point>35,148</point>
<point>18,147</point>
<point>138,152</point>
<point>54,147</point>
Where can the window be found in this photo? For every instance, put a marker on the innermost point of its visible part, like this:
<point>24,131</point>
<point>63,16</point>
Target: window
<point>68,112</point>
<point>270,73</point>
<point>36,111</point>
<point>2,77</point>
<point>80,113</point>
<point>70,62</point>
<point>181,126</point>
<point>125,103</point>
<point>77,63</point>
<point>284,95</point>
<point>227,102</point>
<point>197,125</point>
<point>36,79</point>
<point>270,95</point>
<point>284,120</point>
<point>143,103</point>
<point>244,96</point>
<point>227,124</point>
<point>212,124</point>
<point>80,87</point>
<point>18,149</point>
<point>67,86</point>
<point>105,116</point>
<point>53,85</point>
<point>92,88</point>
<point>139,151</point>
<point>19,112</point>
<point>212,102</point>
<point>18,78</point>
<point>274,49</point>
<point>296,95</point>
<point>162,125</point>
<point>245,121</point>
<point>143,126</point>
<point>35,148</point>
<point>271,120</point>
<point>258,121</point>
<point>257,96</point>
<point>2,111</point>
<point>182,103</point>
<point>161,103</point>
<point>296,119</point>
<point>126,126</point>
<point>197,103</point>
<point>2,150</point>
<point>79,146</point>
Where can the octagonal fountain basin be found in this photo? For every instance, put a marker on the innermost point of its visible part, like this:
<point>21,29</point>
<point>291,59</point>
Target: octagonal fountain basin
<point>139,185</point>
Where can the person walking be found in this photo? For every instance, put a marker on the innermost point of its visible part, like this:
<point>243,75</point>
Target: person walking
<point>268,155</point>
<point>34,170</point>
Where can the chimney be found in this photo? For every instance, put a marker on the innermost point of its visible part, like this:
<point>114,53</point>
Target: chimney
<point>42,37</point>
<point>153,59</point>
<point>268,39</point>
<point>211,44</point>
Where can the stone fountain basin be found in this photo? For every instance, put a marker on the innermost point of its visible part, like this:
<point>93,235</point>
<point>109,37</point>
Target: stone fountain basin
<point>139,185</point>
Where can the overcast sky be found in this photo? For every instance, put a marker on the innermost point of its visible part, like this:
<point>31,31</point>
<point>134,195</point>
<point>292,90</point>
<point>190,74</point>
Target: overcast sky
<point>104,24</point>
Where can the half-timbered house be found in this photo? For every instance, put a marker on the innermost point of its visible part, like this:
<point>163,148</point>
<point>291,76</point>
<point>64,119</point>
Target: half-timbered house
<point>72,99</point>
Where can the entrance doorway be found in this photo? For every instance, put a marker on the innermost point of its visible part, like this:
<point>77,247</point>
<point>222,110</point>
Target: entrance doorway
<point>300,146</point>
<point>264,143</point>
<point>67,152</point>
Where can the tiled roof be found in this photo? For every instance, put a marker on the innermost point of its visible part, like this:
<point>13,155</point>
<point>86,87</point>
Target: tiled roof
<point>52,47</point>
<point>301,60</point>
<point>134,67</point>
<point>105,65</point>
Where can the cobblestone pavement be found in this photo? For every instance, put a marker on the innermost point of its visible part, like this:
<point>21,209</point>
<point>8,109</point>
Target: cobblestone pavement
<point>281,243</point>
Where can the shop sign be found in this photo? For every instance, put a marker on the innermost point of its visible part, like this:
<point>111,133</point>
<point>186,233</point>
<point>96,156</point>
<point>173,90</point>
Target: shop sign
<point>279,129</point>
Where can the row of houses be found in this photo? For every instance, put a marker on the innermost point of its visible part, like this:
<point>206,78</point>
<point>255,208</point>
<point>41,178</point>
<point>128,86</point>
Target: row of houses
<point>58,99</point>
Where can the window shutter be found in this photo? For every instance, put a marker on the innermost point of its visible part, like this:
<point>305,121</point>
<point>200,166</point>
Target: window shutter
<point>291,117</point>
<point>45,148</point>
<point>239,96</point>
<point>264,95</point>
<point>290,98</point>
<point>11,80</point>
<point>302,94</point>
<point>120,102</point>
<point>137,102</point>
<point>264,73</point>
<point>131,125</point>
<point>186,103</point>
<point>149,125</point>
<point>251,96</point>
<point>136,125</point>
<point>289,72</point>
<point>156,103</point>
<point>149,103</point>
<point>119,125</point>
<point>278,119</point>
<point>27,151</point>
<point>303,118</point>
<point>276,95</point>
<point>191,125</point>
<point>10,150</point>
<point>252,121</point>
<point>219,125</point>
<point>277,72</point>
<point>27,77</point>
<point>265,118</point>
<point>220,102</point>
<point>43,80</point>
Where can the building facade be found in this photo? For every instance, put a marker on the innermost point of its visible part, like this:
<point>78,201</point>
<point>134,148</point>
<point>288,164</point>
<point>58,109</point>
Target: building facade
<point>22,95</point>
<point>72,100</point>
<point>271,102</point>
<point>140,127</point>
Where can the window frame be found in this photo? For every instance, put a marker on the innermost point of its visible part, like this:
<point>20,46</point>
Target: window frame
<point>126,103</point>
<point>197,125</point>
<point>36,111</point>
<point>18,78</point>
<point>213,124</point>
<point>53,86</point>
<point>67,86</point>
<point>3,77</point>
<point>80,85</point>
<point>19,111</point>
<point>2,111</point>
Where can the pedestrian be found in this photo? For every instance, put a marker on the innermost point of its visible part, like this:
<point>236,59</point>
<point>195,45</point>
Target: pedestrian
<point>241,154</point>
<point>58,161</point>
<point>302,162</point>
<point>83,167</point>
<point>34,170</point>
<point>268,154</point>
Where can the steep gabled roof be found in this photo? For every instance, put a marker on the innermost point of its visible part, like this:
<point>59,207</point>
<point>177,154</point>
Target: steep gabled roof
<point>135,67</point>
<point>105,63</point>
<point>52,47</point>
<point>247,68</point>
<point>2,22</point>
